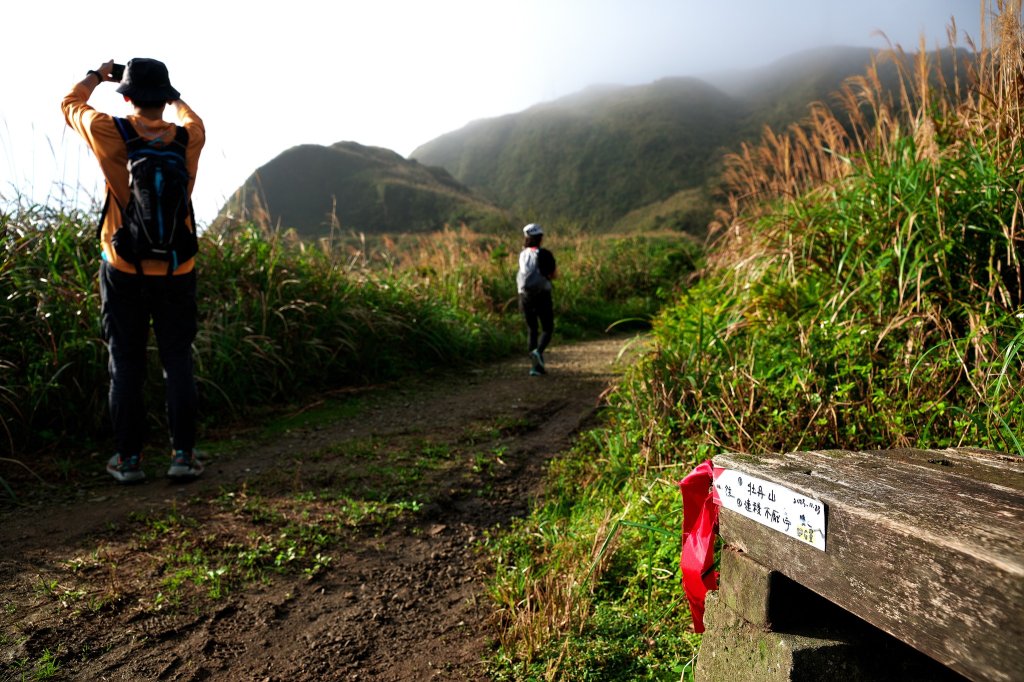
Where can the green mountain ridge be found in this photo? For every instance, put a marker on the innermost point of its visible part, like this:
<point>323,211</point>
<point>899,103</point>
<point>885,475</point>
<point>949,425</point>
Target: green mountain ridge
<point>607,158</point>
<point>595,155</point>
<point>610,156</point>
<point>623,157</point>
<point>315,189</point>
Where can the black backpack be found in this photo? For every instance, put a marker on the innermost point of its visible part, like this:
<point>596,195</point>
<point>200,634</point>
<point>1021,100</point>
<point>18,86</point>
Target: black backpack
<point>154,220</point>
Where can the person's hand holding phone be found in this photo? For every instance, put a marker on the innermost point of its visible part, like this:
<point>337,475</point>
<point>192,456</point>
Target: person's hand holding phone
<point>109,71</point>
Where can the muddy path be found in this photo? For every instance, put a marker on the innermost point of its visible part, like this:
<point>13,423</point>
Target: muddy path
<point>344,545</point>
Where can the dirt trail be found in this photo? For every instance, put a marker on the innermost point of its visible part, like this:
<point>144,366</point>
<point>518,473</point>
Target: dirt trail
<point>398,601</point>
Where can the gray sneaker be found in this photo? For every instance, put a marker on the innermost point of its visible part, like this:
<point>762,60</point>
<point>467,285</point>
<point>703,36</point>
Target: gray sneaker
<point>126,469</point>
<point>185,466</point>
<point>538,362</point>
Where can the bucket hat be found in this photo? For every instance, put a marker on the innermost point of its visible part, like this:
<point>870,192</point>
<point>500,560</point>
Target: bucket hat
<point>532,230</point>
<point>146,80</point>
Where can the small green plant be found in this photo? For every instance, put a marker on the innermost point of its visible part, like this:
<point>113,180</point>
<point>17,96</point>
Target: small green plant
<point>486,462</point>
<point>47,667</point>
<point>320,563</point>
<point>46,587</point>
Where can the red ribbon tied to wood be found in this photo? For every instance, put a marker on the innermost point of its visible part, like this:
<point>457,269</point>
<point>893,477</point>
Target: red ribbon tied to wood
<point>700,523</point>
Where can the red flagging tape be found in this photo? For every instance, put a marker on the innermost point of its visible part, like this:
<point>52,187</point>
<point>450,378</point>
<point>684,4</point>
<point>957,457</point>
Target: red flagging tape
<point>700,524</point>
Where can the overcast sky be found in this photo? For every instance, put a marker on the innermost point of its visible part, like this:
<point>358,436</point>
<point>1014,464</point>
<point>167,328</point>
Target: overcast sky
<point>266,76</point>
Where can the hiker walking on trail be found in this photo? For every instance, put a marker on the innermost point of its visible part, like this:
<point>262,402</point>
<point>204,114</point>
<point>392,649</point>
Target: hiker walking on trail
<point>536,270</point>
<point>148,243</point>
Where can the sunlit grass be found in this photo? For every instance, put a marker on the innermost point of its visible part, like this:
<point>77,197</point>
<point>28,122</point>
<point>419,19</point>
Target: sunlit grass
<point>865,292</point>
<point>281,320</point>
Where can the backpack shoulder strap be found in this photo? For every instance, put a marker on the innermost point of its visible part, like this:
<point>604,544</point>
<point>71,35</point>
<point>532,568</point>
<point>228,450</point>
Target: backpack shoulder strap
<point>103,215</point>
<point>126,129</point>
<point>128,134</point>
<point>179,145</point>
<point>181,137</point>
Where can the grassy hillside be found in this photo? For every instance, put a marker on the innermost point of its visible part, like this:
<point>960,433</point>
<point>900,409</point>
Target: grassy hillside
<point>864,292</point>
<point>592,157</point>
<point>347,186</point>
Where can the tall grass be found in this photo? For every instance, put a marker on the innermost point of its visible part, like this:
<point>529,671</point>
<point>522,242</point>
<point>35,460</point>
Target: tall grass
<point>880,307</point>
<point>603,280</point>
<point>281,318</point>
<point>864,292</point>
<point>277,322</point>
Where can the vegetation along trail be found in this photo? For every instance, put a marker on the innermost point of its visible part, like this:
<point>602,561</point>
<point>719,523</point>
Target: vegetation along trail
<point>340,542</point>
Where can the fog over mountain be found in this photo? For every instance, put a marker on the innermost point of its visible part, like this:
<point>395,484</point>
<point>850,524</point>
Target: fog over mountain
<point>608,157</point>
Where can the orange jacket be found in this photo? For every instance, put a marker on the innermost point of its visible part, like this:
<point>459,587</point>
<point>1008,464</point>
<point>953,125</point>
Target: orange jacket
<point>100,132</point>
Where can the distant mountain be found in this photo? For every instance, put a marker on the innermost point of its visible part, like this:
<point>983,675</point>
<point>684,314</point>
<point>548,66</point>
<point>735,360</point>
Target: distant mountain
<point>778,94</point>
<point>812,72</point>
<point>617,156</point>
<point>352,187</point>
<point>593,156</point>
<point>607,158</point>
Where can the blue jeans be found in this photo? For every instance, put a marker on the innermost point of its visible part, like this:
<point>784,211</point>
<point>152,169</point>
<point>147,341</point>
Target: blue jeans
<point>130,303</point>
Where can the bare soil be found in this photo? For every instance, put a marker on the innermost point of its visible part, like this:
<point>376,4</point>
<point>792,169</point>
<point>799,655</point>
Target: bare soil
<point>396,598</point>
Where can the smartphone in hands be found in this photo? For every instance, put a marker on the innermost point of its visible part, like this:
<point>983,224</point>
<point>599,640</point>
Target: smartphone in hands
<point>117,72</point>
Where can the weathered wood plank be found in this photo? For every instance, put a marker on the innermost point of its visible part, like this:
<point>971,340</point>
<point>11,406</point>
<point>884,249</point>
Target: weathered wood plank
<point>927,545</point>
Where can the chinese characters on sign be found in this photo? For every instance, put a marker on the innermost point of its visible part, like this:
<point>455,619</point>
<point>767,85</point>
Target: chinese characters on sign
<point>772,505</point>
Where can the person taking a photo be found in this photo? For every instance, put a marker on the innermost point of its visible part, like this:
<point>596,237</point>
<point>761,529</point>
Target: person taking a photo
<point>148,241</point>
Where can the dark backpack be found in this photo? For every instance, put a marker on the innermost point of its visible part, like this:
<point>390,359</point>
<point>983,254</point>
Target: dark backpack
<point>154,223</point>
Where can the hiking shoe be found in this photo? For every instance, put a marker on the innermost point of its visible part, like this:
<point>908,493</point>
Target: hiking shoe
<point>538,362</point>
<point>534,372</point>
<point>184,466</point>
<point>126,469</point>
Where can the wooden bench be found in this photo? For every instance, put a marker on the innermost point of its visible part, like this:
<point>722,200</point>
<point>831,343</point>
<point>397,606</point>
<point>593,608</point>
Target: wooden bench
<point>924,552</point>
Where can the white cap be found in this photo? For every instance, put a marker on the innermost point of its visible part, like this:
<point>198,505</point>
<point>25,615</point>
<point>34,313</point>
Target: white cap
<point>532,230</point>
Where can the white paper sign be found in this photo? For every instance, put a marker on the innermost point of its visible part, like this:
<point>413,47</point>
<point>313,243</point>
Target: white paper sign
<point>772,505</point>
